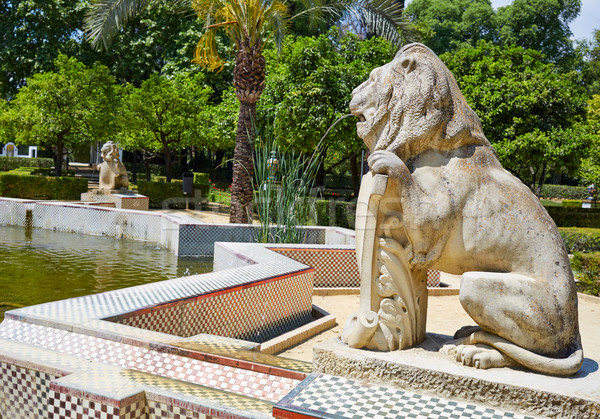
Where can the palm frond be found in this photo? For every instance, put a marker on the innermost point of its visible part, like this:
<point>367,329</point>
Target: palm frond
<point>319,11</point>
<point>384,18</point>
<point>276,23</point>
<point>206,53</point>
<point>105,17</point>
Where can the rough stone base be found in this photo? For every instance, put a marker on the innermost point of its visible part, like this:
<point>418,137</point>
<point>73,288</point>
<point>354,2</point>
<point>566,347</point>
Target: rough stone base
<point>120,198</point>
<point>428,371</point>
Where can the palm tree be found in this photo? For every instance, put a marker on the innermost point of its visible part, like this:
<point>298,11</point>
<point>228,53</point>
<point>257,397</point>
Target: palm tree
<point>248,24</point>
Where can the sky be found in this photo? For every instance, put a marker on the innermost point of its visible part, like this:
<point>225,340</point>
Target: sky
<point>582,27</point>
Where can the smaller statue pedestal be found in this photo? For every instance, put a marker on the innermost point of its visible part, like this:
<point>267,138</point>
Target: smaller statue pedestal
<point>121,198</point>
<point>425,369</point>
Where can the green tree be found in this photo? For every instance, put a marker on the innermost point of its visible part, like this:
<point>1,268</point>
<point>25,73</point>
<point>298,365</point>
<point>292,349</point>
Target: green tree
<point>309,87</point>
<point>161,116</point>
<point>73,105</point>
<point>248,24</point>
<point>455,23</point>
<point>542,25</point>
<point>32,35</point>
<point>529,110</point>
<point>590,168</point>
<point>591,68</point>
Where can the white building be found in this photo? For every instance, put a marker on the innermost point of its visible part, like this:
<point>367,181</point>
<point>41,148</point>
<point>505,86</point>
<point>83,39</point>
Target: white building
<point>11,150</point>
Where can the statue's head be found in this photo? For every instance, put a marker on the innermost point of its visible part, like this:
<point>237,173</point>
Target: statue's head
<point>110,152</point>
<point>413,104</point>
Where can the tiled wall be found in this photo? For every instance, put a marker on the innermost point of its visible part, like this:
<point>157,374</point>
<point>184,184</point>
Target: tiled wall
<point>184,239</point>
<point>255,312</point>
<point>24,393</point>
<point>199,239</point>
<point>335,268</point>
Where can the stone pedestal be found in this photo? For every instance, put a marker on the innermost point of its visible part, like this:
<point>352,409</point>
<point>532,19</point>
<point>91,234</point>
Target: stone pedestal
<point>121,198</point>
<point>426,370</point>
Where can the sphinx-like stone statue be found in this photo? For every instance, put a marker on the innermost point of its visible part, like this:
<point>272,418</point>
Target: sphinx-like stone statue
<point>437,198</point>
<point>113,174</point>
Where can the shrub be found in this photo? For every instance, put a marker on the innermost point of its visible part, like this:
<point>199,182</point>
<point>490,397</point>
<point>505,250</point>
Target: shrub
<point>581,239</point>
<point>159,192</point>
<point>202,182</point>
<point>587,270</point>
<point>575,217</point>
<point>335,213</point>
<point>564,192</point>
<point>39,187</point>
<point>571,203</point>
<point>10,163</point>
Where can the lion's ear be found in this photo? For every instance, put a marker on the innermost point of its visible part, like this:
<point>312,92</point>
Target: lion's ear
<point>408,64</point>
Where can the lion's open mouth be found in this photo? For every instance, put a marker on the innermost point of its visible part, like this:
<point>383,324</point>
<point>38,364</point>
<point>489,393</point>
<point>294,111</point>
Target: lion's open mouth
<point>361,118</point>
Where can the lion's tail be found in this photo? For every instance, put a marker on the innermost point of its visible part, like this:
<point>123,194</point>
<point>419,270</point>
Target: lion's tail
<point>546,365</point>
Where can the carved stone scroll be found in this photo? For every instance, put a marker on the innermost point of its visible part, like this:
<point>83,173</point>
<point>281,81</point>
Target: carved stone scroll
<point>393,297</point>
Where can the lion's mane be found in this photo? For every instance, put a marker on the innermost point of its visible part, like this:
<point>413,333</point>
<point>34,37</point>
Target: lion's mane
<point>426,109</point>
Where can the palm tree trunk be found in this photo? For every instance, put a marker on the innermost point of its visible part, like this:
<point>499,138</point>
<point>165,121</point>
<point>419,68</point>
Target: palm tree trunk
<point>249,82</point>
<point>243,165</point>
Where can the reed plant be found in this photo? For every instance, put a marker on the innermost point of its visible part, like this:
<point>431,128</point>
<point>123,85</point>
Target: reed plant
<point>282,197</point>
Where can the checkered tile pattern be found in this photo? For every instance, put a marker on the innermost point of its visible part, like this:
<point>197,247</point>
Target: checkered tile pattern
<point>237,380</point>
<point>164,319</point>
<point>433,278</point>
<point>31,333</point>
<point>334,267</point>
<point>323,395</point>
<point>63,406</point>
<point>199,239</point>
<point>156,386</point>
<point>136,410</point>
<point>137,225</point>
<point>256,312</point>
<point>23,392</point>
<point>158,410</point>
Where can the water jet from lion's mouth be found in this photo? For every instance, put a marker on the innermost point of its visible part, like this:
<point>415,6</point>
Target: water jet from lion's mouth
<point>331,127</point>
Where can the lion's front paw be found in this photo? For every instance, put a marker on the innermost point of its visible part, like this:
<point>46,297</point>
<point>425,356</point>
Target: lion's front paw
<point>385,162</point>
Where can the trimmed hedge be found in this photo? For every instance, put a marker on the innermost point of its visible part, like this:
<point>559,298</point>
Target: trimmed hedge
<point>159,192</point>
<point>571,203</point>
<point>40,187</point>
<point>202,182</point>
<point>335,213</point>
<point>564,192</point>
<point>581,239</point>
<point>587,271</point>
<point>575,217</point>
<point>10,163</point>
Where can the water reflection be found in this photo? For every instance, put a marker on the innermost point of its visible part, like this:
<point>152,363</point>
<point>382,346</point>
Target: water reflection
<point>38,265</point>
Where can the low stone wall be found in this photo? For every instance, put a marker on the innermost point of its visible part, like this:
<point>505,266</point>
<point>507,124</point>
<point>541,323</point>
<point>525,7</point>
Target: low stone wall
<point>183,238</point>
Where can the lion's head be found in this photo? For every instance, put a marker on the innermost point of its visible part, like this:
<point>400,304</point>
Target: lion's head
<point>110,152</point>
<point>413,104</point>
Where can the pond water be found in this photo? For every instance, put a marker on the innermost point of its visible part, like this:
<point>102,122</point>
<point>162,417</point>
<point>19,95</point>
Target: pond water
<point>37,265</point>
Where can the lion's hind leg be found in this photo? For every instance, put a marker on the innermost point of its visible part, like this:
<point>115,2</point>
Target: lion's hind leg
<point>520,319</point>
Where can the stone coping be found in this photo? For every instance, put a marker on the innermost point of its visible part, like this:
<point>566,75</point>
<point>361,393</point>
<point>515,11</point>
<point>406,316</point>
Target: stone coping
<point>428,371</point>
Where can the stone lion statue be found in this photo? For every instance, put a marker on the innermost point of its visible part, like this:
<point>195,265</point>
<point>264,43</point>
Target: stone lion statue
<point>113,174</point>
<point>457,210</point>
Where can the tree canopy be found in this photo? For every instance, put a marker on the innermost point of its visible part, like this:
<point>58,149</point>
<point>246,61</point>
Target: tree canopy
<point>542,25</point>
<point>59,109</point>
<point>529,110</point>
<point>162,115</point>
<point>32,34</point>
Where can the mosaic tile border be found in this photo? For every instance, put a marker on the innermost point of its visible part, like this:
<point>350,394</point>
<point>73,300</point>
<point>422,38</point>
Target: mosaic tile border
<point>327,396</point>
